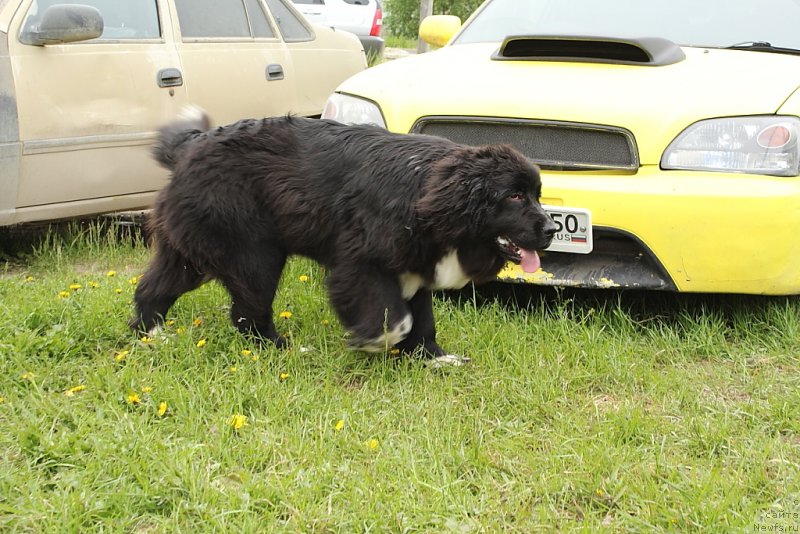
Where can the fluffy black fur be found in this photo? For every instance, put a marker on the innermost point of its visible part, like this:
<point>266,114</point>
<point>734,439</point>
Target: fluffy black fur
<point>377,209</point>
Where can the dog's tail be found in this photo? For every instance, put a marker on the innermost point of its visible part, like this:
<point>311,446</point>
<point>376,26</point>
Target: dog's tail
<point>192,122</point>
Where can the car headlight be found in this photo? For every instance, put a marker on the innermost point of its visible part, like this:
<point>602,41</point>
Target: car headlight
<point>352,110</point>
<point>755,145</point>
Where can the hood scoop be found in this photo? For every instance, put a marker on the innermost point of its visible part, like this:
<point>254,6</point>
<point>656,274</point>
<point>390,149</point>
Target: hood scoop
<point>645,51</point>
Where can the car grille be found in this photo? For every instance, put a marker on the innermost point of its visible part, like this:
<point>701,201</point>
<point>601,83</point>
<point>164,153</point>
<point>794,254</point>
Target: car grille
<point>551,145</point>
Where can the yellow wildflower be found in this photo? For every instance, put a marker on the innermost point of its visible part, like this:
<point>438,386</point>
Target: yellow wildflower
<point>180,331</point>
<point>394,351</point>
<point>121,355</point>
<point>283,376</point>
<point>303,278</point>
<point>72,391</point>
<point>233,369</point>
<point>201,343</point>
<point>171,322</point>
<point>285,314</point>
<point>246,352</point>
<point>63,294</point>
<point>133,399</point>
<point>118,291</point>
<point>325,322</point>
<point>145,339</point>
<point>134,280</point>
<point>237,421</point>
<point>339,425</point>
<point>197,322</point>
<point>75,287</point>
<point>372,444</point>
<point>2,400</point>
<point>28,376</point>
<point>254,357</point>
<point>111,273</point>
<point>93,284</point>
<point>162,409</point>
<point>147,389</point>
<point>29,279</point>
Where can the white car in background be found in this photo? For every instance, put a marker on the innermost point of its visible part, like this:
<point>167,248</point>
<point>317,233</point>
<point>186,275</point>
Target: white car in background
<point>361,17</point>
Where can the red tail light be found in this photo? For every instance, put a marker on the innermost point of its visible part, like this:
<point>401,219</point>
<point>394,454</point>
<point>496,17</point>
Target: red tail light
<point>377,22</point>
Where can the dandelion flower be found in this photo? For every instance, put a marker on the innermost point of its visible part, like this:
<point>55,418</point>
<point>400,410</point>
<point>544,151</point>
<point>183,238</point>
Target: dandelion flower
<point>233,368</point>
<point>75,287</point>
<point>121,355</point>
<point>93,284</point>
<point>201,343</point>
<point>180,331</point>
<point>162,409</point>
<point>134,280</point>
<point>237,421</point>
<point>254,357</point>
<point>111,274</point>
<point>197,322</point>
<point>285,314</point>
<point>72,391</point>
<point>339,425</point>
<point>372,444</point>
<point>118,291</point>
<point>283,376</point>
<point>246,352</point>
<point>171,322</point>
<point>28,376</point>
<point>29,279</point>
<point>303,278</point>
<point>325,322</point>
<point>133,399</point>
<point>63,294</point>
<point>145,339</point>
<point>147,389</point>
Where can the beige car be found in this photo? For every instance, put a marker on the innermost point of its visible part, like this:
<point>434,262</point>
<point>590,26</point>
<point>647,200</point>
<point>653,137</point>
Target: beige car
<point>84,84</point>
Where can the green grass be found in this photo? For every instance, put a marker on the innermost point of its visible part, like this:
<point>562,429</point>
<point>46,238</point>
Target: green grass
<point>592,412</point>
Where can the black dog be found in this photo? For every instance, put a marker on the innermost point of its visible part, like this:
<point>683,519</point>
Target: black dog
<point>391,216</point>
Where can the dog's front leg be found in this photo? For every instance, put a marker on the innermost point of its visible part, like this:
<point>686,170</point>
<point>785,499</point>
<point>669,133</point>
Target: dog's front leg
<point>423,333</point>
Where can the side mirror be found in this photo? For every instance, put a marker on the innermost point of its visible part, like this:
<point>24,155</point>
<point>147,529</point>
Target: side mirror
<point>64,23</point>
<point>437,30</point>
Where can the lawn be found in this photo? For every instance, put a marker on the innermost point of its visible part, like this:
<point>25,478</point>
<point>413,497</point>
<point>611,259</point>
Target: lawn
<point>593,412</point>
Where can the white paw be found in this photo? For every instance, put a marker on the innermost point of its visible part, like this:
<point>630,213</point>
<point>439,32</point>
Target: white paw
<point>447,360</point>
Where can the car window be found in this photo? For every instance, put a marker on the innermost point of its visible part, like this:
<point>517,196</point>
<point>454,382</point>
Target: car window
<point>291,26</point>
<point>712,23</point>
<point>122,19</point>
<point>213,19</point>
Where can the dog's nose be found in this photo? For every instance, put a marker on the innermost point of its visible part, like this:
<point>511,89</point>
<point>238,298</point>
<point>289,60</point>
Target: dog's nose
<point>549,229</point>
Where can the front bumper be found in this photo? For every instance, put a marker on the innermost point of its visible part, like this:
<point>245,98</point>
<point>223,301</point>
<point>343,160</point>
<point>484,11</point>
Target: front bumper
<point>684,231</point>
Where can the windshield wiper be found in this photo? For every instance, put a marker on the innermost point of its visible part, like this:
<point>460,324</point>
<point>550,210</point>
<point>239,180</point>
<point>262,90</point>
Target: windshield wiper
<point>762,46</point>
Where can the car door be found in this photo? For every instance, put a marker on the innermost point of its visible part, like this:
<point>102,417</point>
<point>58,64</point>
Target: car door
<point>88,110</point>
<point>233,60</point>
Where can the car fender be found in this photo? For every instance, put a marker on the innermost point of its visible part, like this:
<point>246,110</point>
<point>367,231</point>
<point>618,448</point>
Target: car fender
<point>9,137</point>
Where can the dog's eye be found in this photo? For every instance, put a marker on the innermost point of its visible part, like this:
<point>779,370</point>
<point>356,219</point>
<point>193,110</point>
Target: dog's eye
<point>517,197</point>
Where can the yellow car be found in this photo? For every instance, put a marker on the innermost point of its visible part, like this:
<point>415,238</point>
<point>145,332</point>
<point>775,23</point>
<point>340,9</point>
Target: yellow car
<point>667,131</point>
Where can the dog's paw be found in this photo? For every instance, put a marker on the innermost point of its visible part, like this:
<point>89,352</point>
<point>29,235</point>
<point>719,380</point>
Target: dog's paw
<point>446,360</point>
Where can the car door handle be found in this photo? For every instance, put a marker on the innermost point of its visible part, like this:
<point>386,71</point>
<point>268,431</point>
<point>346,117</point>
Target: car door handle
<point>274,72</point>
<point>170,77</point>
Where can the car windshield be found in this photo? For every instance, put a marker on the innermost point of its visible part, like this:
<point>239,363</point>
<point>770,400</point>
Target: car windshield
<point>761,24</point>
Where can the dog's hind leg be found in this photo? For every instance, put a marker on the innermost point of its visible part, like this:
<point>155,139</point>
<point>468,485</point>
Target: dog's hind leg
<point>252,284</point>
<point>371,307</point>
<point>168,276</point>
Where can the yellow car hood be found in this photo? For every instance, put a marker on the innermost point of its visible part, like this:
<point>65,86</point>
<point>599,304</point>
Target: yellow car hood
<point>654,102</point>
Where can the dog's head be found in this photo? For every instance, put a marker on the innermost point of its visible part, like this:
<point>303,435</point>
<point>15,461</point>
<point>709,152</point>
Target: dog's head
<point>489,196</point>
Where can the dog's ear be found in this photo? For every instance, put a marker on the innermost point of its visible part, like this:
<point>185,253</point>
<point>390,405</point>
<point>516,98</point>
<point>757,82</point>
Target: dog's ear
<point>458,194</point>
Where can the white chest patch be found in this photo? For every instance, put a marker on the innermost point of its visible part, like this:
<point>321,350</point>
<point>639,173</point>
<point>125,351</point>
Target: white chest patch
<point>448,274</point>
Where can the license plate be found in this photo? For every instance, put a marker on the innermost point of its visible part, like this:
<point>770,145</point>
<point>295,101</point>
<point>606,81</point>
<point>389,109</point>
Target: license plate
<point>573,229</point>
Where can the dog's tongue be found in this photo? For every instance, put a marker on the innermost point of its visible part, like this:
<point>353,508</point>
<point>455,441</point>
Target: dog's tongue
<point>529,262</point>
